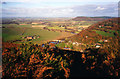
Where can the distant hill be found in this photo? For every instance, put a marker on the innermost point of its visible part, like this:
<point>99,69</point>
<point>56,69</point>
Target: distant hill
<point>106,29</point>
<point>91,18</point>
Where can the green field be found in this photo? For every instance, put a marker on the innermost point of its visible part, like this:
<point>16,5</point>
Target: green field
<point>15,25</point>
<point>27,25</point>
<point>44,34</point>
<point>113,31</point>
<point>104,33</point>
<point>60,45</point>
<point>16,33</point>
<point>11,33</point>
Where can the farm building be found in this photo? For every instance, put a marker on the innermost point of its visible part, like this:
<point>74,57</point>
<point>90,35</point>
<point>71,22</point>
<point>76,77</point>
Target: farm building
<point>29,37</point>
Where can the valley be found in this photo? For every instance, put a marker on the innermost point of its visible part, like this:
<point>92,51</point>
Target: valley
<point>80,47</point>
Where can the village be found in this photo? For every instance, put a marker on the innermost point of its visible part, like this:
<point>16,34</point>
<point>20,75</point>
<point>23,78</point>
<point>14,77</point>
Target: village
<point>74,46</point>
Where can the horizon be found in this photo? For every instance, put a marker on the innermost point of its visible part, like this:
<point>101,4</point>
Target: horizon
<point>59,9</point>
<point>62,17</point>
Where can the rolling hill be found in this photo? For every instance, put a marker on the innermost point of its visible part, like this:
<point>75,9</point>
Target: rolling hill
<point>106,29</point>
<point>49,61</point>
<point>90,18</point>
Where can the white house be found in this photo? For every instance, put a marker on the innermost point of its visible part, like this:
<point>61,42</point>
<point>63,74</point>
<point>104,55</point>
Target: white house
<point>74,43</point>
<point>105,40</point>
<point>97,46</point>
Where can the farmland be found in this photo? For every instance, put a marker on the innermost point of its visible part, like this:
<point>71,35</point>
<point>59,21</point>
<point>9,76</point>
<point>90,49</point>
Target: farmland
<point>61,48</point>
<point>49,29</point>
<point>17,33</point>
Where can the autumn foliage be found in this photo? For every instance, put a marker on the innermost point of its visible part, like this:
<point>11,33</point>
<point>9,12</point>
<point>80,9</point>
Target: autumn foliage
<point>35,61</point>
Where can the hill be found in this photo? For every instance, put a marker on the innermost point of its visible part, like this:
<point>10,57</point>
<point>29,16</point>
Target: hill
<point>35,61</point>
<point>100,56</point>
<point>106,29</point>
<point>90,18</point>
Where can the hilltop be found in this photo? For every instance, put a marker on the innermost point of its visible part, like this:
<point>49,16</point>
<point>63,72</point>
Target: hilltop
<point>79,18</point>
<point>102,30</point>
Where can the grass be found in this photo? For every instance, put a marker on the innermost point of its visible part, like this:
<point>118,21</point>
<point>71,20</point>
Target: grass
<point>56,27</point>
<point>15,25</point>
<point>44,34</point>
<point>17,32</point>
<point>9,25</point>
<point>60,45</point>
<point>77,32</point>
<point>104,33</point>
<point>118,32</point>
<point>27,25</point>
<point>113,31</point>
<point>11,33</point>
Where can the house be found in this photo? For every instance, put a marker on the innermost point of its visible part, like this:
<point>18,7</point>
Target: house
<point>77,43</point>
<point>38,37</point>
<point>86,36</point>
<point>81,51</point>
<point>29,37</point>
<point>74,43</point>
<point>23,37</point>
<point>97,46</point>
<point>33,37</point>
<point>105,40</point>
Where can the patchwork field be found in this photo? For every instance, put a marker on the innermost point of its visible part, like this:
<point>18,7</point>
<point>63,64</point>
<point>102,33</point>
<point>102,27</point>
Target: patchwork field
<point>15,32</point>
<point>57,49</point>
<point>48,31</point>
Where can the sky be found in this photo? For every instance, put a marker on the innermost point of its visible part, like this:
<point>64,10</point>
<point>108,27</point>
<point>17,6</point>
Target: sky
<point>59,8</point>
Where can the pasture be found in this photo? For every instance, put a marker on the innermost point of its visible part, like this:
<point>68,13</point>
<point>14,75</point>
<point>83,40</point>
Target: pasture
<point>13,32</point>
<point>57,27</point>
<point>104,33</point>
